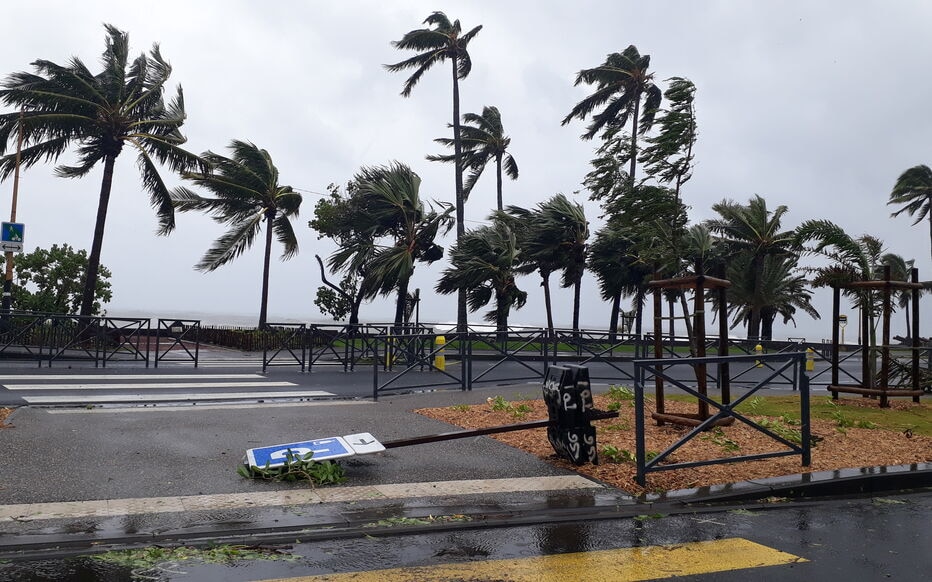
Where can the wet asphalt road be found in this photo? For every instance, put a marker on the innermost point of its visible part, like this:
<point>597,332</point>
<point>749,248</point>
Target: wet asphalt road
<point>863,539</point>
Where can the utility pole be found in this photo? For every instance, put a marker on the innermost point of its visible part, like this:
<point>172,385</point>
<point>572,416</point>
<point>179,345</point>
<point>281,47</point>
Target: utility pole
<point>8,281</point>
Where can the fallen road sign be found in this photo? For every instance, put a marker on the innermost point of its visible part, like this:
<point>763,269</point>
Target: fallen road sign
<point>322,449</point>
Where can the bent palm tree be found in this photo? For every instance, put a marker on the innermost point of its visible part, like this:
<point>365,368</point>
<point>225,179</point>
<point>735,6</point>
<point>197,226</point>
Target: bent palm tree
<point>444,41</point>
<point>100,114</point>
<point>621,83</point>
<point>247,194</point>
<point>483,140</point>
<point>389,197</point>
<point>484,263</point>
<point>913,189</point>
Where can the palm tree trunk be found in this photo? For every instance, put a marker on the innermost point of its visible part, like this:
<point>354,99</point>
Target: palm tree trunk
<point>93,260</point>
<point>263,308</point>
<point>545,283</point>
<point>498,175</point>
<point>400,304</point>
<point>634,138</point>
<point>755,315</point>
<point>613,321</point>
<point>689,324</point>
<point>354,312</point>
<point>461,317</point>
<point>576,299</point>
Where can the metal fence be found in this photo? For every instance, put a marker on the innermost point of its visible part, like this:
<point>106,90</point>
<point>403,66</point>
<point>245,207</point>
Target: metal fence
<point>777,365</point>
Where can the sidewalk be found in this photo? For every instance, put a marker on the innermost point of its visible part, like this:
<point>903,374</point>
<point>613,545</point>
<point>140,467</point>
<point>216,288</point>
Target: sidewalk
<point>75,477</point>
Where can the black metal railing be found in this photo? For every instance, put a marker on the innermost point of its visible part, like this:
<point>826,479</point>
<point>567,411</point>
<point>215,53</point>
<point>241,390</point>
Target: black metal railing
<point>778,364</point>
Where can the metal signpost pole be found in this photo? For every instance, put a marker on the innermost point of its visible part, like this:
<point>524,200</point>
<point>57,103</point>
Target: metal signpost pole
<point>8,281</point>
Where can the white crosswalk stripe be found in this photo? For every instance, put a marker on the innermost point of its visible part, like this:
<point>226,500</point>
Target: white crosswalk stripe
<point>133,389</point>
<point>148,385</point>
<point>177,397</point>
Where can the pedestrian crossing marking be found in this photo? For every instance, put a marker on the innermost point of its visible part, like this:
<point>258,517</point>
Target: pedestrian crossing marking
<point>621,565</point>
<point>146,386</point>
<point>18,377</point>
<point>175,397</point>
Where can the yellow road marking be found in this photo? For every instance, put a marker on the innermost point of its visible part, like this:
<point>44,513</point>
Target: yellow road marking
<point>622,565</point>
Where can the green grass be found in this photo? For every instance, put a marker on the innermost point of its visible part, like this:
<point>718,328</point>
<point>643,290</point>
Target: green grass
<point>917,419</point>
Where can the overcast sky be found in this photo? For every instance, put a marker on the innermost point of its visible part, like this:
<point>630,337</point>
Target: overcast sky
<point>815,105</point>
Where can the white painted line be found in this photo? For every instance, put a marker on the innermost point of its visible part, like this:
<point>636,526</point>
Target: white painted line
<point>201,407</point>
<point>176,397</point>
<point>287,497</point>
<point>154,376</point>
<point>146,386</point>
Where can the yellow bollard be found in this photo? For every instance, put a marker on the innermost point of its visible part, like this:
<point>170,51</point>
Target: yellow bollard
<point>390,352</point>
<point>810,360</point>
<point>440,360</point>
<point>759,349</point>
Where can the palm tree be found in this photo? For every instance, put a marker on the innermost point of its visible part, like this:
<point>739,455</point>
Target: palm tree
<point>247,194</point>
<point>913,189</point>
<point>622,81</point>
<point>620,273</point>
<point>435,45</point>
<point>390,206</point>
<point>900,270</point>
<point>483,140</point>
<point>754,231</point>
<point>484,263</point>
<point>552,238</point>
<point>852,259</point>
<point>781,292</point>
<point>122,105</point>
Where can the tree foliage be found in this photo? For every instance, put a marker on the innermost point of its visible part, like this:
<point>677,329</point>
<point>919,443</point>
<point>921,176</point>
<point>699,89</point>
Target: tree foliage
<point>51,281</point>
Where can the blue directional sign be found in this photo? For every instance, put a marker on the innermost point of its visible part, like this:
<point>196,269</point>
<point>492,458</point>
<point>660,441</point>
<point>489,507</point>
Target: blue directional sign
<point>277,455</point>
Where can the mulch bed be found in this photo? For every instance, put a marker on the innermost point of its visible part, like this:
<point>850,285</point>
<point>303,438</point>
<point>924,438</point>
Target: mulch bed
<point>837,448</point>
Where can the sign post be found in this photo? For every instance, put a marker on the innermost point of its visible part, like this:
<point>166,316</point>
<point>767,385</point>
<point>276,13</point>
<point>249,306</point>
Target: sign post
<point>5,304</point>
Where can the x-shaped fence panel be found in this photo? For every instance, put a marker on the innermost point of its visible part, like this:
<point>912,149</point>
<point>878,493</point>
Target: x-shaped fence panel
<point>780,363</point>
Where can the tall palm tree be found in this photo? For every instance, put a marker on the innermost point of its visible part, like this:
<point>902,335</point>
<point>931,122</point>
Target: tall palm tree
<point>391,208</point>
<point>913,189</point>
<point>484,262</point>
<point>755,232</point>
<point>247,194</point>
<point>483,140</point>
<point>435,45</point>
<point>100,114</point>
<point>622,81</point>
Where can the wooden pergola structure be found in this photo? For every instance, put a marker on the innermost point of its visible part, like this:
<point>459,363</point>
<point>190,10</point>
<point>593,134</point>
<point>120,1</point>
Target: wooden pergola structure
<point>698,284</point>
<point>881,387</point>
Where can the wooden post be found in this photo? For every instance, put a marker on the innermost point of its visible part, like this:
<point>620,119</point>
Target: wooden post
<point>836,295</point>
<point>885,348</point>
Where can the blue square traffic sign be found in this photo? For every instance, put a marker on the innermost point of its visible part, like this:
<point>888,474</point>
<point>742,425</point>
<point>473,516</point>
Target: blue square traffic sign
<point>277,455</point>
<point>12,232</point>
